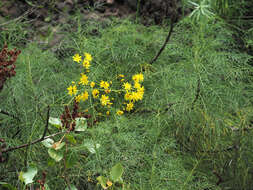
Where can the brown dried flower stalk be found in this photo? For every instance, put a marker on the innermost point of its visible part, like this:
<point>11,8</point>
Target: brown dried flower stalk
<point>7,64</point>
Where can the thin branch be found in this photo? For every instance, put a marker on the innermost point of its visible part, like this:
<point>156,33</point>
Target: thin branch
<point>197,94</point>
<point>46,127</point>
<point>33,142</point>
<point>8,114</point>
<point>220,179</point>
<point>19,130</point>
<point>172,23</point>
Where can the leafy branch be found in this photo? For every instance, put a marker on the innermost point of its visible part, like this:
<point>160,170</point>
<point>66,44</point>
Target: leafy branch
<point>37,140</point>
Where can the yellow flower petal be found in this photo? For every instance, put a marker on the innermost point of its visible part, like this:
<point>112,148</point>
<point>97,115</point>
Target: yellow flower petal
<point>77,58</point>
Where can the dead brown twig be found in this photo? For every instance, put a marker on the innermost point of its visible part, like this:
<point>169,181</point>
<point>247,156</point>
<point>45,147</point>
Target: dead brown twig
<point>173,20</point>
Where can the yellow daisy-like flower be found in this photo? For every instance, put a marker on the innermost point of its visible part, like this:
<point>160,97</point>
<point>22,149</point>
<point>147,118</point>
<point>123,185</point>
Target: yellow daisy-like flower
<point>104,84</point>
<point>138,77</point>
<point>105,100</point>
<point>72,90</point>
<point>137,85</point>
<point>127,86</point>
<point>78,98</point>
<point>86,64</point>
<point>137,96</point>
<point>129,106</point>
<point>83,79</point>
<point>107,113</point>
<point>88,57</point>
<point>92,84</point>
<point>85,96</point>
<point>107,91</point>
<point>119,112</point>
<point>127,96</point>
<point>95,93</point>
<point>109,183</point>
<point>141,90</point>
<point>77,58</point>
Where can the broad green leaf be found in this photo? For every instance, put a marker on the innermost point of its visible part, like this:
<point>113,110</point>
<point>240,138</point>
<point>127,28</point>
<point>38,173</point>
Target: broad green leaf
<point>27,177</point>
<point>102,181</point>
<point>81,124</point>
<point>116,172</point>
<point>72,187</point>
<point>71,138</point>
<point>56,155</point>
<point>55,122</point>
<point>48,142</point>
<point>7,185</point>
<point>91,147</point>
<point>58,145</point>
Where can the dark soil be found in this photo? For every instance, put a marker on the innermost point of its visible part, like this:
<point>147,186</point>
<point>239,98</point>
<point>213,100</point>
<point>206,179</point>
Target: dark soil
<point>50,16</point>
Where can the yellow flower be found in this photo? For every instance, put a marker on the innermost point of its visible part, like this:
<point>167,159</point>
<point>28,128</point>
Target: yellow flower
<point>92,84</point>
<point>137,85</point>
<point>141,90</point>
<point>72,90</point>
<point>86,64</point>
<point>127,86</point>
<point>122,80</point>
<point>78,98</point>
<point>121,76</point>
<point>119,112</point>
<point>95,93</point>
<point>84,96</point>
<point>77,58</point>
<point>127,96</point>
<point>137,96</point>
<point>129,106</point>
<point>83,79</point>
<point>88,57</point>
<point>107,113</point>
<point>138,77</point>
<point>104,84</point>
<point>109,183</point>
<point>105,100</point>
<point>107,91</point>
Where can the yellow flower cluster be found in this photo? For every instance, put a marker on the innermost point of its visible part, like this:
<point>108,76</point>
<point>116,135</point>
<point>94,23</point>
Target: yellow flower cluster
<point>72,89</point>
<point>86,60</point>
<point>133,91</point>
<point>132,94</point>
